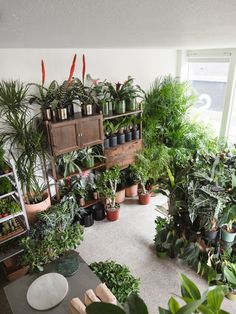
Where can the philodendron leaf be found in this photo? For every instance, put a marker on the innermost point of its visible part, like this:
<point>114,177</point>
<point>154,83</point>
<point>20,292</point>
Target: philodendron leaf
<point>103,308</point>
<point>215,298</point>
<point>190,287</point>
<point>190,307</point>
<point>173,305</point>
<point>205,310</point>
<point>135,305</point>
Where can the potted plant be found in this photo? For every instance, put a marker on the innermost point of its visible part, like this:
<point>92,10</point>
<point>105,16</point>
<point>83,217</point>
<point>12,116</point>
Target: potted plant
<point>88,155</point>
<point>24,140</point>
<point>132,92</point>
<point>228,231</point>
<point>79,189</point>
<point>68,164</point>
<point>92,185</point>
<point>112,128</point>
<point>128,129</point>
<point>36,200</point>
<point>100,89</point>
<point>107,184</point>
<point>229,272</point>
<point>131,182</point>
<point>142,169</point>
<point>45,98</point>
<point>52,235</point>
<point>120,134</point>
<point>4,168</point>
<point>5,186</point>
<point>136,120</point>
<point>118,95</point>
<point>106,128</point>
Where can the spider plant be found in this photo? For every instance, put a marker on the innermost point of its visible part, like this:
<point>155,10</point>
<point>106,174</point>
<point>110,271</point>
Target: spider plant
<point>69,164</point>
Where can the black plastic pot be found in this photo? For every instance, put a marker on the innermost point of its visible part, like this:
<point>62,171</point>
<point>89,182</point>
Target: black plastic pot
<point>113,141</point>
<point>70,110</point>
<point>128,136</point>
<point>210,234</point>
<point>106,143</point>
<point>98,212</point>
<point>121,138</point>
<point>87,218</point>
<point>135,134</point>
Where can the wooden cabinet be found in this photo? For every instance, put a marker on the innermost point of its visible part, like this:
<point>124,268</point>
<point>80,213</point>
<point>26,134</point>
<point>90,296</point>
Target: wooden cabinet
<point>91,131</point>
<point>74,134</point>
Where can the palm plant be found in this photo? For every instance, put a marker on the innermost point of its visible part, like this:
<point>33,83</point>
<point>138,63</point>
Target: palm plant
<point>20,133</point>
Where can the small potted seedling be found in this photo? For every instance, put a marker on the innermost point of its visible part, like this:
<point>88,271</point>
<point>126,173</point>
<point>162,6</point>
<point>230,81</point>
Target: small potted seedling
<point>113,128</point>
<point>128,129</point>
<point>88,155</point>
<point>135,129</point>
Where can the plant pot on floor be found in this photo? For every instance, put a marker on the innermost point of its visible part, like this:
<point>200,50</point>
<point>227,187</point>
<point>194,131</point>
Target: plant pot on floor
<point>144,199</point>
<point>120,196</point>
<point>131,191</point>
<point>121,138</point>
<point>211,234</point>
<point>226,235</point>
<point>33,209</point>
<point>98,212</point>
<point>113,141</point>
<point>113,214</point>
<point>87,218</point>
<point>161,254</point>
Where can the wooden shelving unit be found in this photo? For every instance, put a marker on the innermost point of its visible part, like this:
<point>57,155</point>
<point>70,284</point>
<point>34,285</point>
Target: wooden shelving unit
<point>129,113</point>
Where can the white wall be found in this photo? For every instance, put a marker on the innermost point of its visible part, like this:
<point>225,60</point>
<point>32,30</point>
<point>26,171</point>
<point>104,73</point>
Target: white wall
<point>112,64</point>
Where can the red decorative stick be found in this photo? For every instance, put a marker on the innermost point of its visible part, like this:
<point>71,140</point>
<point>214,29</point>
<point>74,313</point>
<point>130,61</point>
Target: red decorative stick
<point>83,68</point>
<point>43,72</point>
<point>72,69</point>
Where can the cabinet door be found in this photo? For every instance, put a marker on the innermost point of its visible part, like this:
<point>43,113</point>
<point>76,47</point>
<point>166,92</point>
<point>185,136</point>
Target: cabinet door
<point>91,130</point>
<point>64,137</point>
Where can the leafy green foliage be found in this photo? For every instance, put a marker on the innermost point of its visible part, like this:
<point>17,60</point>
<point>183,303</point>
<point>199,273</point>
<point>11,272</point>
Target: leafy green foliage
<point>207,303</point>
<point>107,184</point>
<point>118,279</point>
<point>5,186</point>
<point>52,235</point>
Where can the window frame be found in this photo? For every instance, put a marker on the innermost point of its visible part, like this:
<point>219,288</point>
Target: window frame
<point>208,55</point>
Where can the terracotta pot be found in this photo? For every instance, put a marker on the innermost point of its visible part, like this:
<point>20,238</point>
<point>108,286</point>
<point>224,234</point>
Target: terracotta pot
<point>144,199</point>
<point>120,196</point>
<point>131,190</point>
<point>113,214</point>
<point>33,209</point>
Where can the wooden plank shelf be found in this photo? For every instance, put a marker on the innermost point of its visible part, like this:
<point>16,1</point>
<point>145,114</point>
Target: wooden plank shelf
<point>21,229</point>
<point>8,217</point>
<point>129,113</point>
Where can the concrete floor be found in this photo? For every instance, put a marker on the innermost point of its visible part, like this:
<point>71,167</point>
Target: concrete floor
<point>129,241</point>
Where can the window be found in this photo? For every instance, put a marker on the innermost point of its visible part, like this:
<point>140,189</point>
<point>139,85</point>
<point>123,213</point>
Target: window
<point>208,74</point>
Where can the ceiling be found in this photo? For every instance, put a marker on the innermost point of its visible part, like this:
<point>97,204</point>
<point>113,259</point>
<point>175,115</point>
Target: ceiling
<point>117,23</point>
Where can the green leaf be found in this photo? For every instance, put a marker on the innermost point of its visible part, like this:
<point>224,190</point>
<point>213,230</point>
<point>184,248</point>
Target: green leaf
<point>104,308</point>
<point>190,287</point>
<point>205,310</point>
<point>163,311</point>
<point>135,305</point>
<point>190,307</point>
<point>215,298</point>
<point>173,305</point>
